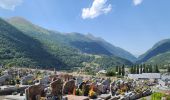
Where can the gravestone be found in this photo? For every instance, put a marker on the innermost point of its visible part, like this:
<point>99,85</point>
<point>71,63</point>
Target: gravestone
<point>79,80</point>
<point>69,87</point>
<point>44,80</point>
<point>33,91</point>
<point>102,88</point>
<point>56,88</point>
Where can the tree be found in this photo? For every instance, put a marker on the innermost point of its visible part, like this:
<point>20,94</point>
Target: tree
<point>150,69</point>
<point>168,69</point>
<point>110,73</point>
<point>141,69</point>
<point>132,70</point>
<point>144,68</point>
<point>123,70</point>
<point>120,71</point>
<point>147,69</point>
<point>117,69</point>
<point>156,69</point>
<point>137,69</point>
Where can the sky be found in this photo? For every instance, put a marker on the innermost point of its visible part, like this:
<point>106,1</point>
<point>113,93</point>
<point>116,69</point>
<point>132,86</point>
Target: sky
<point>134,25</point>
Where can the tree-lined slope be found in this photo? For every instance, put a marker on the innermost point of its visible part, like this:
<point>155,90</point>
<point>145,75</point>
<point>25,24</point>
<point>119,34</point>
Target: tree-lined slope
<point>24,44</point>
<point>159,53</point>
<point>84,43</point>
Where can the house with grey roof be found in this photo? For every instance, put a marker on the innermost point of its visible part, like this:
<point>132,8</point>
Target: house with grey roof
<point>145,76</point>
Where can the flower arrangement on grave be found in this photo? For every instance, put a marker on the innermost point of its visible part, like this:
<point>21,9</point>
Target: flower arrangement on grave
<point>124,88</point>
<point>92,93</point>
<point>85,89</point>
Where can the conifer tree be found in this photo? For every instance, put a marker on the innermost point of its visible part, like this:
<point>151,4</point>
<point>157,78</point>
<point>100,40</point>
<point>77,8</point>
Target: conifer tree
<point>144,68</point>
<point>131,70</point>
<point>117,69</point>
<point>168,69</point>
<point>156,69</point>
<point>137,69</point>
<point>123,70</point>
<point>141,69</point>
<point>150,69</point>
<point>120,70</point>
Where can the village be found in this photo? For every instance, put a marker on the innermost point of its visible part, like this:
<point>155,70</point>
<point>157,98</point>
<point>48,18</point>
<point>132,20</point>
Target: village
<point>36,84</point>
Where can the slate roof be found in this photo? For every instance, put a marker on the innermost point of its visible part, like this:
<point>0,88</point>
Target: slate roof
<point>145,76</point>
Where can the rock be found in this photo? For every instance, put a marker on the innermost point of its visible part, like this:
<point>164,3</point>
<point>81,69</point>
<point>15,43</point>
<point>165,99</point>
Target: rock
<point>105,96</point>
<point>69,87</point>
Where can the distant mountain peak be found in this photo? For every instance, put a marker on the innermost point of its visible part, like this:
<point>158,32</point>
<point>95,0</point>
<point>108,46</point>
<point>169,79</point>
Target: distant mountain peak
<point>18,20</point>
<point>91,36</point>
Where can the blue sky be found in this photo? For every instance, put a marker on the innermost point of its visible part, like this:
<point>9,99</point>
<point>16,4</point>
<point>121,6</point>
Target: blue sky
<point>134,25</point>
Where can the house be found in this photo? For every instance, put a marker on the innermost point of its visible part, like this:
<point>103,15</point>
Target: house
<point>145,76</point>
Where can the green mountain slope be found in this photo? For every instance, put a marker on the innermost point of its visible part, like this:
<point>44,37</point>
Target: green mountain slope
<point>18,49</point>
<point>163,58</point>
<point>158,49</point>
<point>83,43</point>
<point>26,45</point>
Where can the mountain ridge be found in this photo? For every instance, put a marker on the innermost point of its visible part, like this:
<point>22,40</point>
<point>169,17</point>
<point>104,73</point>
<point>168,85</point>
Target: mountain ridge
<point>159,48</point>
<point>35,46</point>
<point>75,38</point>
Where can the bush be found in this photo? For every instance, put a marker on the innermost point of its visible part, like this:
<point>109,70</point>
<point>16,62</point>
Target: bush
<point>110,73</point>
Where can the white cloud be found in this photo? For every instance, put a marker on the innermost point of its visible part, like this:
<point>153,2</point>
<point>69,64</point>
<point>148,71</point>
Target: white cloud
<point>98,7</point>
<point>10,4</point>
<point>137,2</point>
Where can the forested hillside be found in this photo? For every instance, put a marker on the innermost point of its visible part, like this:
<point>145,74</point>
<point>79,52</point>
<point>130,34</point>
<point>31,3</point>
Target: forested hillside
<point>27,45</point>
<point>158,54</point>
<point>84,43</point>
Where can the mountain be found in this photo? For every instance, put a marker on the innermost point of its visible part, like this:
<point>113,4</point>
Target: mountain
<point>159,53</point>
<point>84,43</point>
<point>163,58</point>
<point>19,49</point>
<point>27,45</point>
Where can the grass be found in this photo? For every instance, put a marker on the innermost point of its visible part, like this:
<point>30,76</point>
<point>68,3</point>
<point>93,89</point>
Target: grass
<point>157,96</point>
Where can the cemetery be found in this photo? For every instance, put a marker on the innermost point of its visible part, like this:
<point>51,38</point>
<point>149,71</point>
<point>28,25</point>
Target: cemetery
<point>33,84</point>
